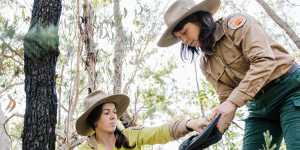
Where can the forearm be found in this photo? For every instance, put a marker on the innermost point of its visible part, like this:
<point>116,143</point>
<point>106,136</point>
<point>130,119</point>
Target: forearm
<point>178,128</point>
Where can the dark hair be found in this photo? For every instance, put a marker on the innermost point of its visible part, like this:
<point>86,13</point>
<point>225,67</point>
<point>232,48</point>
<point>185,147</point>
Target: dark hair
<point>121,139</point>
<point>207,25</point>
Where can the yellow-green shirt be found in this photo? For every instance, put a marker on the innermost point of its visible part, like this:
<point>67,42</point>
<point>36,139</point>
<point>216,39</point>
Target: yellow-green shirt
<point>137,136</point>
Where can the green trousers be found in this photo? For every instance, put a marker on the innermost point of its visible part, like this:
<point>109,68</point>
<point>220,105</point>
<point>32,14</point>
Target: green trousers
<point>275,108</point>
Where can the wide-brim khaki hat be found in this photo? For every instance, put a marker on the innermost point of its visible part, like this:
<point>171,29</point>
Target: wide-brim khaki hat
<point>180,10</point>
<point>92,101</point>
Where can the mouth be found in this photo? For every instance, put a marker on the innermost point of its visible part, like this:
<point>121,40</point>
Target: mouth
<point>113,124</point>
<point>194,44</point>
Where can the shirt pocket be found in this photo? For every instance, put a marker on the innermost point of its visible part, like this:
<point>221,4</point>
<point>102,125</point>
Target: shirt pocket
<point>234,59</point>
<point>215,69</point>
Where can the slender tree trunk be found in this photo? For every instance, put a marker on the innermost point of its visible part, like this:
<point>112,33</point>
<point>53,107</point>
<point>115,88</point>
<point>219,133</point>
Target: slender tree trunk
<point>119,48</point>
<point>288,30</point>
<point>118,59</point>
<point>87,36</point>
<point>40,56</point>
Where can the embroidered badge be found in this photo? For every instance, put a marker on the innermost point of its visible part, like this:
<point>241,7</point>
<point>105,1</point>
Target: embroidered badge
<point>236,22</point>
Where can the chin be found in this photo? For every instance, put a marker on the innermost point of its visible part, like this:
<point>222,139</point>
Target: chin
<point>112,129</point>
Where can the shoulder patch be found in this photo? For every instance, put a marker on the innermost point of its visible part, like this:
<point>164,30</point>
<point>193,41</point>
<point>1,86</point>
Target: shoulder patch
<point>236,22</point>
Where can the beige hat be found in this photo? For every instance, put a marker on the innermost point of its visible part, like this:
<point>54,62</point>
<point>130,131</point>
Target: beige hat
<point>178,11</point>
<point>95,99</point>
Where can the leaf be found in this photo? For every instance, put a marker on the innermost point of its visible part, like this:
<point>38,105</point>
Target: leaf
<point>11,105</point>
<point>125,13</point>
<point>102,3</point>
<point>268,141</point>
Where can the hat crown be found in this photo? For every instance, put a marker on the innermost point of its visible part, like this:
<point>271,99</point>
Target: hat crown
<point>177,10</point>
<point>93,98</point>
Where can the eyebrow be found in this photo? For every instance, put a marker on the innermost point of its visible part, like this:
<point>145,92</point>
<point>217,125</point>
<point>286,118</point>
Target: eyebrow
<point>109,109</point>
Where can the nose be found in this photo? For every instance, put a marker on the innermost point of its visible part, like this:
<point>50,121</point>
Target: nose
<point>113,116</point>
<point>184,40</point>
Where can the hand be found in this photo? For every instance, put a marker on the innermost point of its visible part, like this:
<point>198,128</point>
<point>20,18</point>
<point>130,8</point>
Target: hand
<point>197,124</point>
<point>227,110</point>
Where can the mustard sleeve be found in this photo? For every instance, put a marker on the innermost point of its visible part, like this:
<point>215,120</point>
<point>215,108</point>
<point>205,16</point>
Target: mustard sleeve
<point>149,135</point>
<point>256,48</point>
<point>84,146</point>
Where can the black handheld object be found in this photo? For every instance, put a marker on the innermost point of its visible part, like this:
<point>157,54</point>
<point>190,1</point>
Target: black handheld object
<point>209,136</point>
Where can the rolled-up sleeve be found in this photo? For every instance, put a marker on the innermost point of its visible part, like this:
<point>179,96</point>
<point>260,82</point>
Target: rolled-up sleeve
<point>149,135</point>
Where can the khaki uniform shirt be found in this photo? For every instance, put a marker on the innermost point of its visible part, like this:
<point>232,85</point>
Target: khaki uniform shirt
<point>245,59</point>
<point>138,136</point>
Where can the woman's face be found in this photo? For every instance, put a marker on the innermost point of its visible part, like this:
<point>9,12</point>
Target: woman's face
<point>189,35</point>
<point>108,118</point>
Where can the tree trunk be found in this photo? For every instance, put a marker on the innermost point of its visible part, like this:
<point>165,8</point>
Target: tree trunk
<point>87,34</point>
<point>118,59</point>
<point>119,48</point>
<point>40,56</point>
<point>288,30</point>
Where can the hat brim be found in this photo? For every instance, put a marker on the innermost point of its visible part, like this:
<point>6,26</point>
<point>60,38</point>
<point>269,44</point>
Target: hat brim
<point>121,103</point>
<point>168,39</point>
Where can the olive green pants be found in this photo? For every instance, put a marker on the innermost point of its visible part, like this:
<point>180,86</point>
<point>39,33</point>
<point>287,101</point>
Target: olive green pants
<point>276,109</point>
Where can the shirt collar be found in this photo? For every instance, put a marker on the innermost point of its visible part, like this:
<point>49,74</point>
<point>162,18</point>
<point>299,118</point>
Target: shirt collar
<point>219,32</point>
<point>92,142</point>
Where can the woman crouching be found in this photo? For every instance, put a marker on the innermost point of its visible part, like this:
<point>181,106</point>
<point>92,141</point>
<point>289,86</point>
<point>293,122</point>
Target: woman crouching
<point>99,123</point>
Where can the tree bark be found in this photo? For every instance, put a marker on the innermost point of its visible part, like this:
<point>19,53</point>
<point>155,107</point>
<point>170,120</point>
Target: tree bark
<point>40,56</point>
<point>119,55</point>
<point>119,48</point>
<point>87,34</point>
<point>287,29</point>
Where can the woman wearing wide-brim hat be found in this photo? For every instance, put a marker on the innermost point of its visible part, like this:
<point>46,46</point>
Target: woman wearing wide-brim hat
<point>99,123</point>
<point>244,65</point>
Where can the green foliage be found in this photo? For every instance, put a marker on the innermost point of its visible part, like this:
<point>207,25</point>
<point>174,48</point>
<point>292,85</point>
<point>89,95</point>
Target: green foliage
<point>97,3</point>
<point>40,41</point>
<point>7,30</point>
<point>159,75</point>
<point>268,140</point>
<point>154,101</point>
<point>11,53</point>
<point>157,92</point>
<point>154,93</point>
<point>207,95</point>
<point>138,23</point>
<point>15,128</point>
